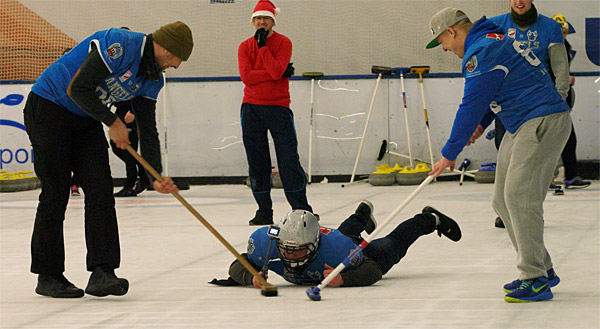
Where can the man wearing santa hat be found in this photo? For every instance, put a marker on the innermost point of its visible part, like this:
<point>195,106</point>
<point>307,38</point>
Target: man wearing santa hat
<point>265,68</point>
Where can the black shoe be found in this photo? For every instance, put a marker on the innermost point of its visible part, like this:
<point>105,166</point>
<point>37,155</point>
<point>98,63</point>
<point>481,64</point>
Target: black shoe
<point>365,209</point>
<point>447,226</point>
<point>140,186</point>
<point>125,192</point>
<point>499,223</point>
<point>104,282</point>
<point>261,220</point>
<point>57,286</point>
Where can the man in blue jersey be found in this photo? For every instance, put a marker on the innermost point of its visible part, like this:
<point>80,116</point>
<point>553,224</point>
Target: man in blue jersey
<point>543,36</point>
<point>305,253</point>
<point>63,118</point>
<point>504,80</point>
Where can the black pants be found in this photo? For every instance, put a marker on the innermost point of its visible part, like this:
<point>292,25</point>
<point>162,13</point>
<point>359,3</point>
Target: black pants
<point>133,168</point>
<point>389,250</point>
<point>257,121</point>
<point>568,155</point>
<point>63,142</point>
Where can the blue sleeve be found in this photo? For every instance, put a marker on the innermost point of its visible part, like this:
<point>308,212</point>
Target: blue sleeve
<point>555,32</point>
<point>258,244</point>
<point>479,93</point>
<point>487,119</point>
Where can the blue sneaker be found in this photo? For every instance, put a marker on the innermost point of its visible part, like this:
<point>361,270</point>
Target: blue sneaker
<point>553,187</point>
<point>531,290</point>
<point>552,278</point>
<point>576,183</point>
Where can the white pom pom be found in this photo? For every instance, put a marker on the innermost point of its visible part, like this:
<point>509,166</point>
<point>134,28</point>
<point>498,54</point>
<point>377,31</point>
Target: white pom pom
<point>277,11</point>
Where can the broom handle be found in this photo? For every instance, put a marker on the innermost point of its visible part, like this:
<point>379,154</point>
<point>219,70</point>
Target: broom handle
<point>239,257</point>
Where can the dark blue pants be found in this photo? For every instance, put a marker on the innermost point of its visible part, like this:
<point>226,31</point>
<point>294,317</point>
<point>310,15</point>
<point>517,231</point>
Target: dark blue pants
<point>64,143</point>
<point>389,250</point>
<point>257,120</point>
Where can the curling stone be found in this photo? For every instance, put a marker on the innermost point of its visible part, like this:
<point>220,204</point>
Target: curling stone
<point>276,180</point>
<point>29,182</point>
<point>382,176</point>
<point>486,174</point>
<point>13,184</point>
<point>410,176</point>
<point>397,167</point>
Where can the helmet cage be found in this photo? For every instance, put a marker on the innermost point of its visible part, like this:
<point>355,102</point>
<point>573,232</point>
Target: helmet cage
<point>296,265</point>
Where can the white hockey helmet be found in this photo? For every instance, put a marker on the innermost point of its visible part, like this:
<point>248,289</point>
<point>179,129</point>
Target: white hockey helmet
<point>298,240</point>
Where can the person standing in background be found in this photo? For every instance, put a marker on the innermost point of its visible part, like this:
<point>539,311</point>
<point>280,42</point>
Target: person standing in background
<point>133,169</point>
<point>569,153</point>
<point>265,68</point>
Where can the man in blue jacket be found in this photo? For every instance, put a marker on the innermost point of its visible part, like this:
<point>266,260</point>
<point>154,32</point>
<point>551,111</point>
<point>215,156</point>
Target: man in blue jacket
<point>64,114</point>
<point>505,80</point>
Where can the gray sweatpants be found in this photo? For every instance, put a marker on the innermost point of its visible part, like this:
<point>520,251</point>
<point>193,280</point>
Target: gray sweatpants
<point>524,171</point>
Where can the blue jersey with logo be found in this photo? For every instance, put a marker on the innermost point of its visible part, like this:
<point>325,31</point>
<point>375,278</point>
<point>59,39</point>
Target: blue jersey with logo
<point>542,34</point>
<point>501,79</point>
<point>121,51</point>
<point>333,248</point>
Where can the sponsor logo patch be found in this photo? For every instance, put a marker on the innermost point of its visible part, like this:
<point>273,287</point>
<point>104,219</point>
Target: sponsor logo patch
<point>125,76</point>
<point>512,32</point>
<point>114,51</point>
<point>495,36</point>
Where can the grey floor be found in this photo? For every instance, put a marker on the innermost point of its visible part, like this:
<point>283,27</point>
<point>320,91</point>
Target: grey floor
<point>169,256</point>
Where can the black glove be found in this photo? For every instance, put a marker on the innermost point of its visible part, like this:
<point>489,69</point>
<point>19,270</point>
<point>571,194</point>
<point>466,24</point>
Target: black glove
<point>261,37</point>
<point>289,71</point>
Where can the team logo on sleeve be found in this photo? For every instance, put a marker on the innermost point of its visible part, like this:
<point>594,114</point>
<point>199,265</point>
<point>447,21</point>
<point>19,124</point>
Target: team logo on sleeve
<point>471,64</point>
<point>250,246</point>
<point>512,32</point>
<point>114,51</point>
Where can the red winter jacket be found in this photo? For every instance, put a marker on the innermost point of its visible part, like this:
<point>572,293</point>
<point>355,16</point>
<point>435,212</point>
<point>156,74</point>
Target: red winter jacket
<point>261,70</point>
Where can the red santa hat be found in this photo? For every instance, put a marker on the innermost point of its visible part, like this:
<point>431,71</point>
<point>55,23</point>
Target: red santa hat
<point>265,8</point>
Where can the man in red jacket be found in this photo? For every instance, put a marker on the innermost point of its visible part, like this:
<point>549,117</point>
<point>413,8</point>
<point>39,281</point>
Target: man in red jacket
<point>265,68</point>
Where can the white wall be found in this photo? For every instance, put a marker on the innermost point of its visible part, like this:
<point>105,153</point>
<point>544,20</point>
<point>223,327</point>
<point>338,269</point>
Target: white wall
<point>203,134</point>
<point>207,140</point>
